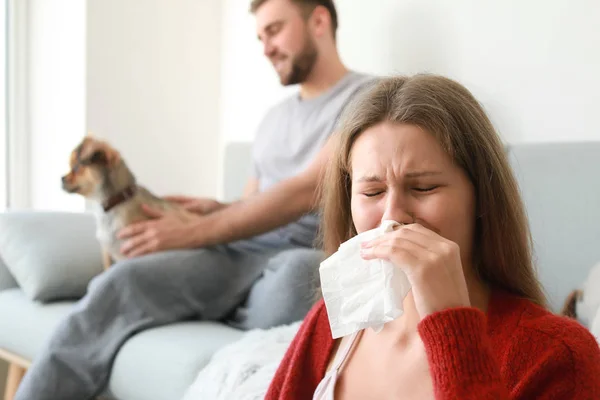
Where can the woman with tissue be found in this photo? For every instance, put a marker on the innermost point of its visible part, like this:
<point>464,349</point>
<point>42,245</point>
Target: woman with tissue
<point>429,290</point>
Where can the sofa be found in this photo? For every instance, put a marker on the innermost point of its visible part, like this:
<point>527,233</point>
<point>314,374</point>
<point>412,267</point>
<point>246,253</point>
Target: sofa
<point>558,183</point>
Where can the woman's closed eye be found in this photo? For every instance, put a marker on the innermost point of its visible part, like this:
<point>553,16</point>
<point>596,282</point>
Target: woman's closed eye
<point>373,193</point>
<point>420,189</point>
<point>425,188</point>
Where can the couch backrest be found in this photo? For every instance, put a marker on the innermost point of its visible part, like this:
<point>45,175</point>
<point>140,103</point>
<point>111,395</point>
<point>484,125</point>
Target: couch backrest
<point>237,169</point>
<point>560,184</point>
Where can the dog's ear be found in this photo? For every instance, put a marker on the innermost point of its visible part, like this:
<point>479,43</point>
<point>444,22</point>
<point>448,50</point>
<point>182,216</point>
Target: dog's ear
<point>102,155</point>
<point>85,142</point>
<point>110,156</point>
<point>98,157</point>
<point>99,152</point>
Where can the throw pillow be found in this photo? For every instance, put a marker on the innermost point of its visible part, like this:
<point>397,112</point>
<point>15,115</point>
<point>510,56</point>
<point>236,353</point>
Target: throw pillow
<point>51,255</point>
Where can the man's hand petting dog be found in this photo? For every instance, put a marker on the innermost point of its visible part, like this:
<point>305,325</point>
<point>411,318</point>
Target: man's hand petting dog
<point>198,205</point>
<point>164,231</point>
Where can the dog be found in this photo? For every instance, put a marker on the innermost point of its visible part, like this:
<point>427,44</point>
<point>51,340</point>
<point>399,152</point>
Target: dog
<point>99,174</point>
<point>569,308</point>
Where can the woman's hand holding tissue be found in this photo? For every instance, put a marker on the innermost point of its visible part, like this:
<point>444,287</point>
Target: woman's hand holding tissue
<point>431,263</point>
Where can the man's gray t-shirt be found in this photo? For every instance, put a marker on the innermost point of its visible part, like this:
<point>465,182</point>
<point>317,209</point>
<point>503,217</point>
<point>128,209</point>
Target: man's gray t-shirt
<point>288,140</point>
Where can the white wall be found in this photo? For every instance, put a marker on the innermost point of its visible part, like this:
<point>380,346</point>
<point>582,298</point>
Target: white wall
<point>248,82</point>
<point>533,64</point>
<point>143,74</point>
<point>56,100</point>
<point>153,88</point>
<point>186,77</point>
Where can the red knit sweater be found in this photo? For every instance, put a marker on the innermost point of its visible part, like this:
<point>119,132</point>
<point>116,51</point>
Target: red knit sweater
<point>517,350</point>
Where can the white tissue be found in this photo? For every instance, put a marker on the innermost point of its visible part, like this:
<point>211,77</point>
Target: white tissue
<point>360,293</point>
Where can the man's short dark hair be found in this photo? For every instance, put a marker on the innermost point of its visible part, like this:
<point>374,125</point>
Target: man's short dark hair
<point>308,6</point>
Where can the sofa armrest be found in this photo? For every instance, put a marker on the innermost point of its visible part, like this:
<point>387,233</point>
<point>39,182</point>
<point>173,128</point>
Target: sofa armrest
<point>7,281</point>
<point>50,255</point>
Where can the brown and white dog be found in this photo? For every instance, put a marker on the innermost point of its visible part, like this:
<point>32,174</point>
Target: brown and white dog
<point>569,308</point>
<point>99,174</point>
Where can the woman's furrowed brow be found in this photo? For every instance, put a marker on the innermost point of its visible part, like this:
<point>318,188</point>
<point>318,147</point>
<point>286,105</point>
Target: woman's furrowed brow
<point>408,175</point>
<point>419,174</point>
<point>369,178</point>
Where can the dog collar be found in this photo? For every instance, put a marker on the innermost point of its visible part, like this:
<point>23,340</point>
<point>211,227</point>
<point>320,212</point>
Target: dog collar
<point>119,198</point>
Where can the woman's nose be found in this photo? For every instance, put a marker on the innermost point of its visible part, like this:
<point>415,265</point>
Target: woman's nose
<point>398,208</point>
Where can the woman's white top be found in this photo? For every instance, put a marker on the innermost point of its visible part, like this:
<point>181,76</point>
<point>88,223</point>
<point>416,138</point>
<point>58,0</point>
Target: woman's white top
<point>326,388</point>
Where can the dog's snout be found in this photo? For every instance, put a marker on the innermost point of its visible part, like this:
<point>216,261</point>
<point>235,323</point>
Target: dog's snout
<point>63,179</point>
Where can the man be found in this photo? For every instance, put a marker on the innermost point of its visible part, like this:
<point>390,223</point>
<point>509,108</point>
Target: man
<point>213,267</point>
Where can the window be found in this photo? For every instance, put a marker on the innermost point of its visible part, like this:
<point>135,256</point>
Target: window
<point>3,105</point>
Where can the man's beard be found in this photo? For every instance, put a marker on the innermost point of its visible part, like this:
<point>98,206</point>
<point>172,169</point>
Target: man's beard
<point>302,65</point>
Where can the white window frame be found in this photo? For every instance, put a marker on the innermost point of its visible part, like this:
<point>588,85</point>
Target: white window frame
<point>3,107</point>
<point>17,108</point>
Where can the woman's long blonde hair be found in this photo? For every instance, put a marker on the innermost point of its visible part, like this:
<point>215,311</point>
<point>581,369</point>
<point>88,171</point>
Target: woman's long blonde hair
<point>446,109</point>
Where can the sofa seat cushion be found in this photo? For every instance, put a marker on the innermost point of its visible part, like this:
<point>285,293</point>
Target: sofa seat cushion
<point>26,325</point>
<point>161,363</point>
<point>156,364</point>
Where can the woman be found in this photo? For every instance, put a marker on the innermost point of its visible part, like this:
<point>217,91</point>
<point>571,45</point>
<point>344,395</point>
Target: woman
<point>422,152</point>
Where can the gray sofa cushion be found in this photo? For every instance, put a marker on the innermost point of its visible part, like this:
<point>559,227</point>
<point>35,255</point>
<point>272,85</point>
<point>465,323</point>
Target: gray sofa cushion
<point>156,364</point>
<point>27,324</point>
<point>51,255</point>
<point>161,363</point>
<point>7,281</point>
